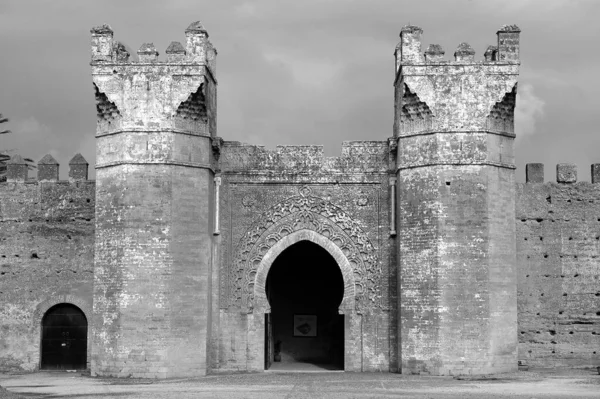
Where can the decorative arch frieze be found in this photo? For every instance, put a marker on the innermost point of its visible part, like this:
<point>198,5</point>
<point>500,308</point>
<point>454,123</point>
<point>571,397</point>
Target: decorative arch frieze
<point>261,302</point>
<point>305,212</point>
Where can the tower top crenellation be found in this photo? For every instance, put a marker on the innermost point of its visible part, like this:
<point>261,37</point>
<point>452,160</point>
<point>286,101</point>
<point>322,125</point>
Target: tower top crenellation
<point>198,48</point>
<point>408,51</point>
<point>145,92</point>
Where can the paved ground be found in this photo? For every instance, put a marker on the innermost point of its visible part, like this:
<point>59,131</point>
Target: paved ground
<point>532,384</point>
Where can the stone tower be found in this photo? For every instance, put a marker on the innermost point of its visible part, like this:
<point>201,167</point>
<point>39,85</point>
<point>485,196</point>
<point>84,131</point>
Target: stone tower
<point>456,206</point>
<point>154,220</point>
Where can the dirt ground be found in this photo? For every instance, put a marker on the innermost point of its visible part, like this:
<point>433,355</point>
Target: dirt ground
<point>542,383</point>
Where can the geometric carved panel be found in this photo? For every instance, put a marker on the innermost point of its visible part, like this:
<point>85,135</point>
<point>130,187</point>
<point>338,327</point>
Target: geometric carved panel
<point>298,213</point>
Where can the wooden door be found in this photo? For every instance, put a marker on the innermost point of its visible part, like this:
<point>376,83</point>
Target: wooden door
<point>64,338</point>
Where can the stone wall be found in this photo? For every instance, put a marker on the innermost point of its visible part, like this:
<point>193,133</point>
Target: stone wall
<point>454,128</point>
<point>558,245</point>
<point>269,197</point>
<point>154,234</point>
<point>46,256</point>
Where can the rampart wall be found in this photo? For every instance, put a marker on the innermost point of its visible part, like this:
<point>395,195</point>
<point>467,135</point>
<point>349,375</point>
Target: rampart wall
<point>558,249</point>
<point>46,254</point>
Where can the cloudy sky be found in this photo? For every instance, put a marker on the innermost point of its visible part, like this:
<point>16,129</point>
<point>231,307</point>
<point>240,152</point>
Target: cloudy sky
<point>303,71</point>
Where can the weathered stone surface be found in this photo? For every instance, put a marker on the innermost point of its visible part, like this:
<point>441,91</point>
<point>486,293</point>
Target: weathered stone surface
<point>46,258</point>
<point>595,173</point>
<point>47,168</point>
<point>456,250</point>
<point>16,169</point>
<point>168,253</point>
<point>566,173</point>
<point>434,53</point>
<point>464,53</point>
<point>558,231</point>
<point>534,173</point>
<point>153,240</point>
<point>78,168</point>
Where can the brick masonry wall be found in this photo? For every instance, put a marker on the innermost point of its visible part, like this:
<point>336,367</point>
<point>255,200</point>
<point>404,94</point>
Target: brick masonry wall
<point>558,245</point>
<point>151,275</point>
<point>455,233</point>
<point>156,128</point>
<point>46,258</point>
<point>254,181</point>
<point>454,126</point>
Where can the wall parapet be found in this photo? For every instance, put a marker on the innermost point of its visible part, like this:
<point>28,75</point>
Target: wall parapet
<point>47,169</point>
<point>33,200</point>
<point>566,173</point>
<point>198,49</point>
<point>408,50</point>
<point>355,157</point>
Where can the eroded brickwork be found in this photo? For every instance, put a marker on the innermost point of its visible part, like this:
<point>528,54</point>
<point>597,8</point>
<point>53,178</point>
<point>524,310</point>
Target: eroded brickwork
<point>455,170</point>
<point>558,245</point>
<point>441,254</point>
<point>155,167</point>
<point>46,258</point>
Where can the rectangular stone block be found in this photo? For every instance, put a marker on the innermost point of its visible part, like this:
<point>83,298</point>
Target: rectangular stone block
<point>566,173</point>
<point>534,173</point>
<point>595,173</point>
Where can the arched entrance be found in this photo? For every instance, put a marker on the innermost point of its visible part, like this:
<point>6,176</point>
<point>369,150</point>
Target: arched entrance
<point>257,321</point>
<point>64,338</point>
<point>304,330</point>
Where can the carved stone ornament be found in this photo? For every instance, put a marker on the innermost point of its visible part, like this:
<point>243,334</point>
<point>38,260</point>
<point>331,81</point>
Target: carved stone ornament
<point>363,200</point>
<point>248,201</point>
<point>299,213</point>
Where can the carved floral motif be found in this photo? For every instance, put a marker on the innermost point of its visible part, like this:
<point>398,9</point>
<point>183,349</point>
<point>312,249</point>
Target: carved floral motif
<point>363,200</point>
<point>297,213</point>
<point>248,201</point>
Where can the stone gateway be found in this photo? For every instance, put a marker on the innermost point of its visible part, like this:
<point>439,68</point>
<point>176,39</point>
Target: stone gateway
<point>191,255</point>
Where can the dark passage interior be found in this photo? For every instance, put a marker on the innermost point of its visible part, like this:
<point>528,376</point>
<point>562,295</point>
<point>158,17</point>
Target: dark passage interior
<point>64,338</point>
<point>305,288</point>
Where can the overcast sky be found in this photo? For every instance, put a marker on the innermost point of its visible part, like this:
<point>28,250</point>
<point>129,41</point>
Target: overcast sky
<point>303,71</point>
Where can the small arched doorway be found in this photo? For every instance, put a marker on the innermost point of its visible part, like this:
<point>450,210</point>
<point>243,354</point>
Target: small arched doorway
<point>64,338</point>
<point>304,329</point>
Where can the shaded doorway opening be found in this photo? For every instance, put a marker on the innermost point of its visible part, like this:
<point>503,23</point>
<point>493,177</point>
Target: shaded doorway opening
<point>304,330</point>
<point>64,338</point>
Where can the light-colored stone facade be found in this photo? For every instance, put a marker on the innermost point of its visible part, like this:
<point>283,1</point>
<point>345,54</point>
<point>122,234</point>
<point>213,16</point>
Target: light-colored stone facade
<point>168,253</point>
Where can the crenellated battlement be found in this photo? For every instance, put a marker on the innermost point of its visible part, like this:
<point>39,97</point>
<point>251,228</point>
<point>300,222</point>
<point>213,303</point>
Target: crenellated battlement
<point>454,127</point>
<point>47,169</point>
<point>46,198</point>
<point>148,94</point>
<point>408,50</point>
<point>198,49</point>
<point>470,101</point>
<point>566,173</point>
<point>355,157</point>
<point>441,253</point>
<point>155,163</point>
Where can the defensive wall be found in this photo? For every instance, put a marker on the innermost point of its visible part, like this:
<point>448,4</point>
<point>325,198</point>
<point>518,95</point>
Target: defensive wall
<point>448,265</point>
<point>558,245</point>
<point>46,253</point>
